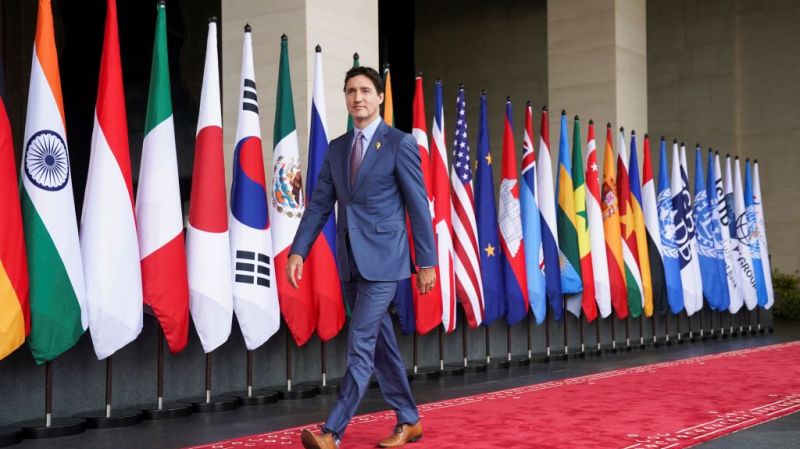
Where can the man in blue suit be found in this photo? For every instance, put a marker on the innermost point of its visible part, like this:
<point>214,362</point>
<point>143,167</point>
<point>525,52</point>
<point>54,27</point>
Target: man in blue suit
<point>374,174</point>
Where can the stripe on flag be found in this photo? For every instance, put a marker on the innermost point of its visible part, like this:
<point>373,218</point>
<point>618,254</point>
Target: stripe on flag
<point>611,229</point>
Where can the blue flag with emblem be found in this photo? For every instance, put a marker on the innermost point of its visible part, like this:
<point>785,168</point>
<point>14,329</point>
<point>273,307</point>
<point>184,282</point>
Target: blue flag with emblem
<point>706,248</point>
<point>666,219</point>
<point>752,239</point>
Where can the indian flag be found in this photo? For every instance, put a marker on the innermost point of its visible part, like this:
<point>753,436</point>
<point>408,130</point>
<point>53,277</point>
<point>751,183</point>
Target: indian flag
<point>158,205</point>
<point>57,294</point>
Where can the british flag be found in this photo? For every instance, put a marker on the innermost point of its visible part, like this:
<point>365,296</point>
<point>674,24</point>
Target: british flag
<point>469,288</point>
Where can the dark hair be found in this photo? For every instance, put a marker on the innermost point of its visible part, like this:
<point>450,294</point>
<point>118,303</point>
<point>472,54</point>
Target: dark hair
<point>369,72</point>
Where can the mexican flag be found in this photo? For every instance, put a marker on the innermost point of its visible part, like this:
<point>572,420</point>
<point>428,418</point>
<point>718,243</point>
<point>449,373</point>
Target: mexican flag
<point>57,295</point>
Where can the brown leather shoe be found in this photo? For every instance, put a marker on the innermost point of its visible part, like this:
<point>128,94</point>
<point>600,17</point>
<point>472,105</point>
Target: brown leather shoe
<point>403,434</point>
<point>313,441</point>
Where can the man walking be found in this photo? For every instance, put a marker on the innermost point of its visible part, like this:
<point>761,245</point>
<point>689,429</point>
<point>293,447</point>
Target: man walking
<point>374,174</point>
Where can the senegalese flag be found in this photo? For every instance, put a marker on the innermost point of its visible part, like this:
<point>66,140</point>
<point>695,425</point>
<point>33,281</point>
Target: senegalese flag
<point>57,292</point>
<point>639,230</point>
<point>388,104</point>
<point>611,229</point>
<point>14,301</point>
<point>588,302</point>
<point>349,118</point>
<point>570,260</point>
<point>627,225</point>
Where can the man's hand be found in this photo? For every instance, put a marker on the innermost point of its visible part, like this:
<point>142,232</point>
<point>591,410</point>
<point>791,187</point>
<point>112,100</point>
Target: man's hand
<point>294,270</point>
<point>426,279</point>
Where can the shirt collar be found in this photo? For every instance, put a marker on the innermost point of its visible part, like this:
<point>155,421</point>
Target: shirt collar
<point>368,130</point>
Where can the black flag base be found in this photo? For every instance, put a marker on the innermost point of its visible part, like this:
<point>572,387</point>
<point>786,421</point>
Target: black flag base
<point>331,386</point>
<point>10,435</point>
<point>424,373</point>
<point>99,419</point>
<point>297,392</point>
<point>476,366</point>
<point>610,348</point>
<point>499,363</point>
<point>452,369</point>
<point>521,360</point>
<point>59,427</point>
<point>168,410</point>
<point>256,397</point>
<point>213,404</point>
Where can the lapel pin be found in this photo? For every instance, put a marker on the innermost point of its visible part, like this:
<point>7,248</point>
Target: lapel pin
<point>377,145</point>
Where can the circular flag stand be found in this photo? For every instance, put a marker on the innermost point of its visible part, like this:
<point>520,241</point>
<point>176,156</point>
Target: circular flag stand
<point>10,435</point>
<point>48,427</point>
<point>470,366</point>
<point>654,325</point>
<point>417,372</point>
<point>519,360</point>
<point>565,328</point>
<point>108,418</point>
<point>494,364</point>
<point>611,348</point>
<point>297,391</point>
<point>582,353</point>
<point>447,369</point>
<point>251,397</point>
<point>163,410</point>
<point>325,386</point>
<point>598,351</point>
<point>209,403</point>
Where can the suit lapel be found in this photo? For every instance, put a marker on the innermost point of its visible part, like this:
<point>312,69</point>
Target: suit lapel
<point>369,156</point>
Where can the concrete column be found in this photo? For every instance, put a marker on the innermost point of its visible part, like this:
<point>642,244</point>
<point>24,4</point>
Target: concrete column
<point>340,29</point>
<point>597,63</point>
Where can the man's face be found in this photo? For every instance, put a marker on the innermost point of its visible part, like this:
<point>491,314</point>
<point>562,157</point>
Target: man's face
<point>363,101</point>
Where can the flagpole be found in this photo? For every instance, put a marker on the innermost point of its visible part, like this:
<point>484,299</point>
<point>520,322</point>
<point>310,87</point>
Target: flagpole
<point>251,397</point>
<point>653,327</point>
<point>666,329</point>
<point>613,348</point>
<point>566,340</point>
<point>107,418</point>
<point>208,403</point>
<point>530,337</point>
<point>48,427</point>
<point>641,331</point>
<point>162,410</point>
<point>599,350</point>
<point>583,342</point>
<point>678,328</point>
<point>628,333</point>
<point>547,336</point>
<point>702,325</point>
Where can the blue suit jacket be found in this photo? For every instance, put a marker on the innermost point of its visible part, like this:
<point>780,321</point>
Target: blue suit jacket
<point>372,214</point>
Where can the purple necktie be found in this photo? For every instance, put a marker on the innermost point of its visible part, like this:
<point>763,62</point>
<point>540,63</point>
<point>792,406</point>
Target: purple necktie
<point>356,156</point>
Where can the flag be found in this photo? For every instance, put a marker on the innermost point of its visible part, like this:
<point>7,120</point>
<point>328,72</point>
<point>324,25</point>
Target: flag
<point>442,215</point>
<point>747,271</point>
<point>510,220</point>
<point>531,224</point>
<point>428,309</point>
<point>349,118</point>
<point>740,263</point>
<point>655,250</point>
<point>158,204</point>
<point>721,247</point>
<point>639,230</point>
<point>588,302</point>
<point>706,248</point>
<point>321,260</point>
<point>15,320</point>
<point>762,236</point>
<point>569,254</point>
<point>255,294</point>
<point>468,283</point>
<point>684,230</point>
<point>668,227</point>
<point>753,237</point>
<point>58,315</point>
<point>109,245</point>
<point>494,304</point>
<point>388,104</point>
<point>594,217</point>
<point>611,229</point>
<point>547,212</point>
<point>207,241</point>
<point>286,207</point>
<point>627,226</point>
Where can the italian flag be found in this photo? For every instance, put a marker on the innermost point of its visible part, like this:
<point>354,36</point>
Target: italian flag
<point>158,205</point>
<point>57,301</point>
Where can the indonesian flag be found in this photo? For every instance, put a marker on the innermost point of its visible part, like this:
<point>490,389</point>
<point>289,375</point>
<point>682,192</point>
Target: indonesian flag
<point>594,216</point>
<point>762,235</point>
<point>321,261</point>
<point>509,217</point>
<point>588,301</point>
<point>442,218</point>
<point>207,241</point>
<point>627,223</point>
<point>428,309</point>
<point>158,205</point>
<point>469,286</point>
<point>255,293</point>
<point>57,294</point>
<point>287,204</point>
<point>14,299</point>
<point>109,244</point>
<point>611,229</point>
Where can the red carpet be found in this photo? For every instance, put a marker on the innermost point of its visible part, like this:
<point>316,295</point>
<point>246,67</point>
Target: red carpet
<point>666,405</point>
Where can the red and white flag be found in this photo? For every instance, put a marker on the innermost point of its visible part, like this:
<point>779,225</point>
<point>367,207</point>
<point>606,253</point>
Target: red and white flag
<point>594,215</point>
<point>109,245</point>
<point>207,240</point>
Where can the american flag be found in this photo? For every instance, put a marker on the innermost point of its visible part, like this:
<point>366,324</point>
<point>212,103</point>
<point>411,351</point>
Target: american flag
<point>469,288</point>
